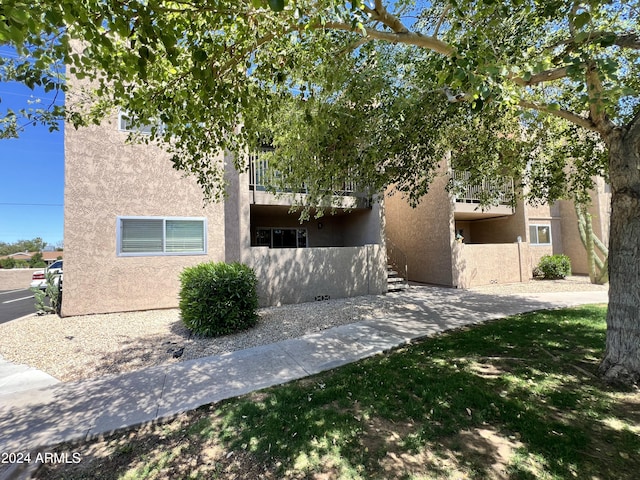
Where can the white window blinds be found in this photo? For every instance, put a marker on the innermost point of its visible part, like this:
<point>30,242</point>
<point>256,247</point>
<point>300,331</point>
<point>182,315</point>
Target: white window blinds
<point>185,235</point>
<point>141,236</point>
<point>161,236</point>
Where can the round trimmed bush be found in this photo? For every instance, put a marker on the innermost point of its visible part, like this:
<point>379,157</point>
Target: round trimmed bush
<point>555,267</point>
<point>218,298</point>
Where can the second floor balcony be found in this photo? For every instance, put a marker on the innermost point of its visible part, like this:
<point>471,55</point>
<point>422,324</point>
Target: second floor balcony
<point>471,197</point>
<point>262,178</point>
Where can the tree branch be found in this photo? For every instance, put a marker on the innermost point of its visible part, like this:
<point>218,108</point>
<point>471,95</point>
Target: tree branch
<point>572,14</point>
<point>408,38</point>
<point>546,76</point>
<point>382,15</point>
<point>629,40</point>
<point>596,106</point>
<point>245,52</point>
<point>569,116</point>
<point>445,11</point>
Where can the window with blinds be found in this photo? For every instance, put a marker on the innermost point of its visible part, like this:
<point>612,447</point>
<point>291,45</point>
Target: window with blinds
<point>161,236</point>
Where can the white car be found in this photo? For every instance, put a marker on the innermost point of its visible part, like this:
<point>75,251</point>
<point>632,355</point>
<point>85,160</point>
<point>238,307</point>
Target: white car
<point>39,278</point>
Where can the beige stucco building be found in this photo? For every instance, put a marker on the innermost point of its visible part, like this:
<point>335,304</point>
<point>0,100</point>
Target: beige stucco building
<point>133,223</point>
<point>448,240</point>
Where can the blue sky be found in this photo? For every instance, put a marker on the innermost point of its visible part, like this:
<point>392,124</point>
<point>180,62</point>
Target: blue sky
<point>31,174</point>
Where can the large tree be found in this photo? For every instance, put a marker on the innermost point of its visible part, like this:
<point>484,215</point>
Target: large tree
<point>373,89</point>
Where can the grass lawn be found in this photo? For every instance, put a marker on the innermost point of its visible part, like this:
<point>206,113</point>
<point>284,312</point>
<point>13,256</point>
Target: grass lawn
<point>516,398</point>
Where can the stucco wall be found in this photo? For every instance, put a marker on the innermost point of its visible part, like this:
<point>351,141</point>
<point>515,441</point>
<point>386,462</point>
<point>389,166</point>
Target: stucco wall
<point>232,211</point>
<point>484,264</point>
<point>495,230</point>
<point>296,275</point>
<point>571,243</point>
<point>542,211</point>
<point>364,226</point>
<point>16,278</point>
<point>424,234</point>
<point>106,178</point>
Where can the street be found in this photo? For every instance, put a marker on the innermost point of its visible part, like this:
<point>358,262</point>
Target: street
<point>15,304</point>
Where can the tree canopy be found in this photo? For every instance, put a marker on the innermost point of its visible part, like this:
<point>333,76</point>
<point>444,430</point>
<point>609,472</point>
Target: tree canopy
<point>378,91</point>
<point>34,245</point>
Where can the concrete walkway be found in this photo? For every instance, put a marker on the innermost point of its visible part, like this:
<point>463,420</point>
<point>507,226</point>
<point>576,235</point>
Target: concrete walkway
<point>35,419</point>
<point>15,378</point>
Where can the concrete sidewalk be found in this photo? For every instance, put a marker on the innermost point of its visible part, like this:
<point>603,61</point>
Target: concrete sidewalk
<point>15,378</point>
<point>38,418</point>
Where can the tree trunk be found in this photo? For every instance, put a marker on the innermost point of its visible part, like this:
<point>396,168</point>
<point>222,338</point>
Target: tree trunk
<point>621,364</point>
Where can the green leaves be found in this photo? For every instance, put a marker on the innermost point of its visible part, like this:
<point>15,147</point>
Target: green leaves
<point>303,78</point>
<point>16,14</point>
<point>581,19</point>
<point>277,5</point>
<point>218,298</point>
<point>144,52</point>
<point>199,55</point>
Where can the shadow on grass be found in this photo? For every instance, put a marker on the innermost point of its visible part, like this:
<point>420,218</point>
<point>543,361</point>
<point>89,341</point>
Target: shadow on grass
<point>515,398</point>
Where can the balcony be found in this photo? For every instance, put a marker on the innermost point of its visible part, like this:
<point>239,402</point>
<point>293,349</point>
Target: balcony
<point>468,197</point>
<point>345,194</point>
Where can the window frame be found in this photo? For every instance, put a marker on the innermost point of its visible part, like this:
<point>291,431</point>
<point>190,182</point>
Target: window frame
<point>164,252</point>
<point>537,226</point>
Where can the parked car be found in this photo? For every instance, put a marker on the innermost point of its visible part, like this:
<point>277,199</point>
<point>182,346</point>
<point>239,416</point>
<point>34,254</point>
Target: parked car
<point>39,278</point>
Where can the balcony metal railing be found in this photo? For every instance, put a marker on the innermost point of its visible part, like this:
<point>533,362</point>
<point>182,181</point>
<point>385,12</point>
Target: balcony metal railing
<point>259,175</point>
<point>261,178</point>
<point>500,189</point>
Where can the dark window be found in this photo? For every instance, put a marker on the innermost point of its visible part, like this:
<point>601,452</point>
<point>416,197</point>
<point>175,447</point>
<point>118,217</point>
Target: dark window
<point>281,237</point>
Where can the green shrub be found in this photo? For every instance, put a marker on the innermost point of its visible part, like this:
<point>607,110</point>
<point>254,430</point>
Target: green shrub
<point>555,267</point>
<point>7,263</point>
<point>218,298</point>
<point>37,261</point>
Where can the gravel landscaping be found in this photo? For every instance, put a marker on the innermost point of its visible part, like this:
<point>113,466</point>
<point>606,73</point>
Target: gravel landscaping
<point>76,348</point>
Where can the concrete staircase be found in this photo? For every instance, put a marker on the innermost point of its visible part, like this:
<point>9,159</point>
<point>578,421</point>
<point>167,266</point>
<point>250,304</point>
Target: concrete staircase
<point>397,268</point>
<point>395,283</point>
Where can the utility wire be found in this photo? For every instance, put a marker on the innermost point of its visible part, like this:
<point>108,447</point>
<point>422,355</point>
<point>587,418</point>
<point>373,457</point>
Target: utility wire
<point>33,204</point>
